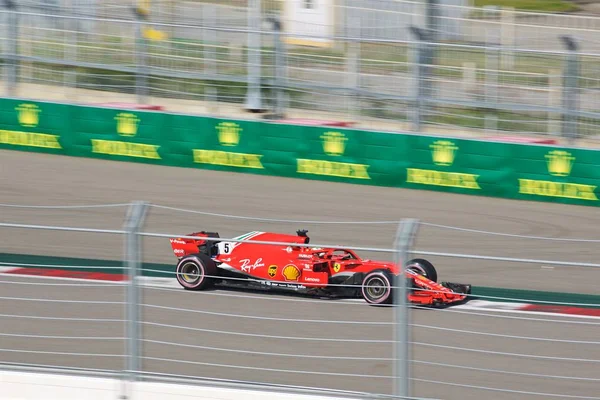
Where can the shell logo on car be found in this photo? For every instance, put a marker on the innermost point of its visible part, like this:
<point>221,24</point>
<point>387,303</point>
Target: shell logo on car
<point>291,272</point>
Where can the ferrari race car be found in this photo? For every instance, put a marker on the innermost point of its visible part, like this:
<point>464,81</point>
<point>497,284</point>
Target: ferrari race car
<point>322,271</point>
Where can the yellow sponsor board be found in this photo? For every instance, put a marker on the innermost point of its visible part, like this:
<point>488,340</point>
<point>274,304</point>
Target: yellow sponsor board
<point>440,178</point>
<point>28,115</point>
<point>228,159</point>
<point>228,134</point>
<point>128,149</point>
<point>557,189</point>
<point>560,163</point>
<point>17,138</point>
<point>330,168</point>
<point>334,144</point>
<point>443,153</point>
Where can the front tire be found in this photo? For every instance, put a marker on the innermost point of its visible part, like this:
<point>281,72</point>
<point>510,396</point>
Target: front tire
<point>377,287</point>
<point>196,272</point>
<point>423,267</point>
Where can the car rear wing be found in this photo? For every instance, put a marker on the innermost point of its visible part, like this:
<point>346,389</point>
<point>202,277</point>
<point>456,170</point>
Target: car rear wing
<point>183,246</point>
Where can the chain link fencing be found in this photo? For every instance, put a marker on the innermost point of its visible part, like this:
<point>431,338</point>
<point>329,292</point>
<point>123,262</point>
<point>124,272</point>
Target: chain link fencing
<point>390,65</point>
<point>132,319</point>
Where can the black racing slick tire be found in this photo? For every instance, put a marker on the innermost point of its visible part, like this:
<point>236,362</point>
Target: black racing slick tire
<point>423,267</point>
<point>377,287</point>
<point>196,272</point>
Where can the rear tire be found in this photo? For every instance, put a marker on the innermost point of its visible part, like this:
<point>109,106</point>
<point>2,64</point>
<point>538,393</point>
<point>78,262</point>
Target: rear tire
<point>423,267</point>
<point>196,272</point>
<point>377,287</point>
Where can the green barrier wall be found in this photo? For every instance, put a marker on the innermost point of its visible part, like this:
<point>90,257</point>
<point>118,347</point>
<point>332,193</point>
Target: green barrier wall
<point>387,159</point>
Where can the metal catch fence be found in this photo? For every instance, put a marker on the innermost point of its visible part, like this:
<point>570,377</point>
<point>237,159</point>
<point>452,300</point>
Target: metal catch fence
<point>389,65</point>
<point>486,347</point>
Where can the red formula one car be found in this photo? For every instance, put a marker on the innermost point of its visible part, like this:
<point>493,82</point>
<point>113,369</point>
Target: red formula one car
<point>323,271</point>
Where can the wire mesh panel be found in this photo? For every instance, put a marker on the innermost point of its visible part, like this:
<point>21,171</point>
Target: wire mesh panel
<point>295,337</point>
<point>66,323</point>
<point>519,341</point>
<point>268,339</point>
<point>489,346</point>
<point>62,300</point>
<point>516,341</point>
<point>486,69</point>
<point>470,353</point>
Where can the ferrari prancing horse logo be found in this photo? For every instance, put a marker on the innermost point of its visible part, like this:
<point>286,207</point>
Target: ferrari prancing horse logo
<point>337,267</point>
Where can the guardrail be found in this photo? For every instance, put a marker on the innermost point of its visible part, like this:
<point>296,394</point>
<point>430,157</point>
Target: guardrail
<point>295,344</point>
<point>504,70</point>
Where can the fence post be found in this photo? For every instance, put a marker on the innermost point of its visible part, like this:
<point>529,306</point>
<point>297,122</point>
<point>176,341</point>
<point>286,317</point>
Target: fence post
<point>279,84</point>
<point>405,235</point>
<point>253,91</point>
<point>432,35</point>
<point>554,100</point>
<point>12,48</point>
<point>492,67</point>
<point>209,14</point>
<point>419,77</point>
<point>134,221</point>
<point>570,100</point>
<point>71,38</point>
<point>469,75</point>
<point>354,34</point>
<point>432,19</point>
<point>141,77</point>
<point>507,37</point>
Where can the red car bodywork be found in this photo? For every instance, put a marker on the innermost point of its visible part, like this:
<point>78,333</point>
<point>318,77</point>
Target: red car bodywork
<point>294,266</point>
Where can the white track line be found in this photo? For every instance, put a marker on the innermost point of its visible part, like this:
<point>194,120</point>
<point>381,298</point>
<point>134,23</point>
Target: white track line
<point>144,280</point>
<point>473,305</point>
<point>501,307</point>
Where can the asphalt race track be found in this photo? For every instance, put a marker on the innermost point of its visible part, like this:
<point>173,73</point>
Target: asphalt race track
<point>442,339</point>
